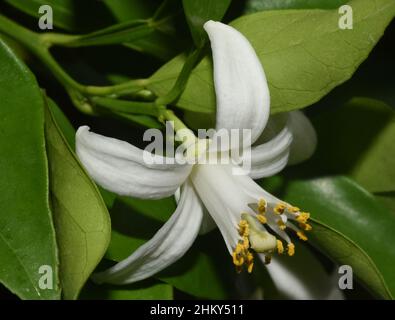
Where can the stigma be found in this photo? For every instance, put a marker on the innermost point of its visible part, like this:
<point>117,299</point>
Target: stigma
<point>263,230</point>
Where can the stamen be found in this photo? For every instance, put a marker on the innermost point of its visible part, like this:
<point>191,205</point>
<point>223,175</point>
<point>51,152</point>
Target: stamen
<point>303,217</point>
<point>262,219</point>
<point>291,249</point>
<point>262,205</point>
<point>243,228</point>
<point>259,227</point>
<point>246,243</point>
<point>305,226</point>
<point>250,262</point>
<point>237,261</point>
<point>281,224</point>
<point>280,247</point>
<point>279,208</point>
<point>301,236</point>
<point>293,209</point>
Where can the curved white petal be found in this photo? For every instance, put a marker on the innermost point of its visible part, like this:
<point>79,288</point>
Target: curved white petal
<point>223,198</point>
<point>304,138</point>
<point>168,245</point>
<point>127,170</point>
<point>243,99</point>
<point>208,223</point>
<point>292,280</point>
<point>271,156</point>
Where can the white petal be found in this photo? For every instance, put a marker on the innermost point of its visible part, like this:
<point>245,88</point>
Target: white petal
<point>223,198</point>
<point>294,281</point>
<point>243,99</point>
<point>208,223</point>
<point>304,138</point>
<point>167,246</point>
<point>271,156</point>
<point>122,168</point>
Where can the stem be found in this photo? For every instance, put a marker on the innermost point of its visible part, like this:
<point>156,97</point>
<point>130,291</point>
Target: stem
<point>129,107</point>
<point>39,45</point>
<point>186,135</point>
<point>182,79</point>
<point>29,38</point>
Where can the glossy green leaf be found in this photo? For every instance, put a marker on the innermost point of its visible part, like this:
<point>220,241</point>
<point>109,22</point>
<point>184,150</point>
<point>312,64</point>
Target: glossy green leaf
<point>81,219</point>
<point>387,199</point>
<point>27,235</point>
<point>304,54</point>
<point>146,290</point>
<point>201,272</point>
<point>130,10</point>
<point>68,133</point>
<point>156,43</point>
<point>62,122</point>
<point>115,34</point>
<point>198,12</point>
<point>349,225</point>
<point>357,139</point>
<point>260,5</point>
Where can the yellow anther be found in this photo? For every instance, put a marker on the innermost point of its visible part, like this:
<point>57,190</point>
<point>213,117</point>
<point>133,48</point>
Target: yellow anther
<point>268,259</point>
<point>250,262</point>
<point>279,208</point>
<point>303,217</point>
<point>281,224</point>
<point>243,228</point>
<point>250,267</point>
<point>238,261</point>
<point>301,235</point>
<point>261,218</point>
<point>246,243</point>
<point>293,209</point>
<point>262,206</point>
<point>239,248</point>
<point>291,249</point>
<point>305,226</point>
<point>280,247</point>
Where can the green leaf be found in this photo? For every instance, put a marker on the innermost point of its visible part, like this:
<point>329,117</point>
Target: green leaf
<point>387,199</point>
<point>349,225</point>
<point>201,272</point>
<point>147,290</point>
<point>115,34</point>
<point>304,53</point>
<point>362,132</point>
<point>156,43</point>
<point>27,236</point>
<point>68,132</point>
<point>81,219</point>
<point>260,5</point>
<point>198,12</point>
<point>63,123</point>
<point>130,10</point>
<point>67,15</point>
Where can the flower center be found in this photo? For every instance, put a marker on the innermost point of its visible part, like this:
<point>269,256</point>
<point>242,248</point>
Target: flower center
<point>260,228</point>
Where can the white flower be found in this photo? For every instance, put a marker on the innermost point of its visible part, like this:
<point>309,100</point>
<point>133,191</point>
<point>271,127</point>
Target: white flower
<point>250,219</point>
